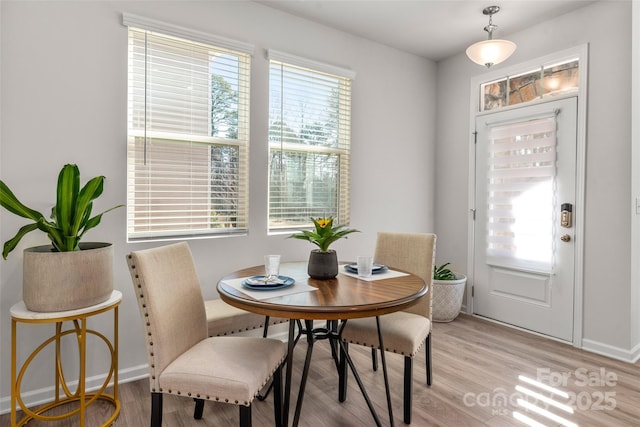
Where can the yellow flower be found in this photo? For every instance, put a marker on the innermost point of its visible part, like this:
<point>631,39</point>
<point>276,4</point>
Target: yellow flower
<point>323,222</point>
<point>324,233</point>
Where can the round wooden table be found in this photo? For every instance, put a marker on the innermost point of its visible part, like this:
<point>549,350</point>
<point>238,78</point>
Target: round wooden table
<point>345,297</point>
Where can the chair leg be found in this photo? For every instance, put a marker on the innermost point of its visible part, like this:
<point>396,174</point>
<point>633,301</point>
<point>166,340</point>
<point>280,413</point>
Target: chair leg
<point>427,349</point>
<point>374,358</point>
<point>277,395</point>
<point>156,409</point>
<point>408,385</point>
<point>197,413</point>
<point>267,390</point>
<point>343,374</point>
<point>245,416</point>
<point>265,329</point>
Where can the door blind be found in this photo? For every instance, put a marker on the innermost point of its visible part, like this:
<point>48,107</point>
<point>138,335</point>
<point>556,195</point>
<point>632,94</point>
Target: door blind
<point>521,194</point>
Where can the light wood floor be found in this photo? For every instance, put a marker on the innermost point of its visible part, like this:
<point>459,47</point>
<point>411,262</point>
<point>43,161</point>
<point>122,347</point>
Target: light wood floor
<point>476,368</point>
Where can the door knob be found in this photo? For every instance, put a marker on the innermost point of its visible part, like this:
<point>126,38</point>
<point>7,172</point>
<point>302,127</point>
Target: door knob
<point>565,238</point>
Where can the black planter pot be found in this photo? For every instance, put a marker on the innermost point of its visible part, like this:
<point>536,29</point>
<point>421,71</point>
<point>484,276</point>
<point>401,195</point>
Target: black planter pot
<point>322,265</point>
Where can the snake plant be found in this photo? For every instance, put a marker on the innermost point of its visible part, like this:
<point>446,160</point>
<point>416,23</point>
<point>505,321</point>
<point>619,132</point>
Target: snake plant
<point>70,217</point>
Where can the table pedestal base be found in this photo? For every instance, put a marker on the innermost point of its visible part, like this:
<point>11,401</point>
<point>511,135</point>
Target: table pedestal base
<point>338,346</point>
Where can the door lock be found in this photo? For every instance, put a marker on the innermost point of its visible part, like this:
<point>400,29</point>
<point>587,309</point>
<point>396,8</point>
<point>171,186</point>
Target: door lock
<point>565,238</point>
<point>566,214</point>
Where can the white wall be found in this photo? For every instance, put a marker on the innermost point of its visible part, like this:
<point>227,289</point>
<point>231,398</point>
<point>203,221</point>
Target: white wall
<point>635,174</point>
<point>607,261</point>
<point>64,100</point>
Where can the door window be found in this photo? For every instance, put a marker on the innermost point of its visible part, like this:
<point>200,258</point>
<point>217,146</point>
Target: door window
<point>521,168</point>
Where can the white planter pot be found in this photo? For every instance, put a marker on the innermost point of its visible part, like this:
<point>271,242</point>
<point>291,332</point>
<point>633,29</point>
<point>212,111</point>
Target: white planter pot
<point>447,298</point>
<point>61,281</point>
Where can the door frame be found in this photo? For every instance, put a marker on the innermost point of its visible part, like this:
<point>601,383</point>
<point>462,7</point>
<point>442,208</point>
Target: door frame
<point>580,52</point>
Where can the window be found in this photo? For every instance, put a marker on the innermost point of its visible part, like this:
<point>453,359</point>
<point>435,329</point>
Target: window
<point>521,173</point>
<point>309,142</point>
<point>543,82</point>
<point>188,133</point>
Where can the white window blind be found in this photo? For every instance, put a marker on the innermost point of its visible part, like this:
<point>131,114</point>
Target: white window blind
<point>309,143</point>
<point>521,199</point>
<point>188,136</point>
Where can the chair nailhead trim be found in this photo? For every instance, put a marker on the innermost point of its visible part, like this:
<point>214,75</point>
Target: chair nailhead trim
<point>199,396</point>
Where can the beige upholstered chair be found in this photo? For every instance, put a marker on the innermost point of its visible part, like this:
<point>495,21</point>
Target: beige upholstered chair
<point>224,319</point>
<point>403,332</point>
<point>183,360</point>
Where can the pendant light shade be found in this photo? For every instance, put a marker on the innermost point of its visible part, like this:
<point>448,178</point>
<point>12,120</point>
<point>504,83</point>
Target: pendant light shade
<point>490,52</point>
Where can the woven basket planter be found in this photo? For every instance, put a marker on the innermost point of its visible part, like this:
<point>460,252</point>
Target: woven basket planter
<point>447,298</point>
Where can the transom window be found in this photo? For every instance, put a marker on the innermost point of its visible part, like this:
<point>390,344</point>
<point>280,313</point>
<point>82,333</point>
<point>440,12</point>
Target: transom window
<point>544,82</point>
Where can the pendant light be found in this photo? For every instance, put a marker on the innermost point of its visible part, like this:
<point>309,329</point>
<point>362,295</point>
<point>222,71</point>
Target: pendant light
<point>490,52</point>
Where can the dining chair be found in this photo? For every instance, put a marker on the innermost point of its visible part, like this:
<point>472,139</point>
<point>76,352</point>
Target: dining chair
<point>403,332</point>
<point>183,360</point>
<point>224,319</point>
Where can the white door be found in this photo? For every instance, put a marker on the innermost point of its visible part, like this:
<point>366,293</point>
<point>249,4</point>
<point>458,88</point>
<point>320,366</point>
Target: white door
<point>523,252</point>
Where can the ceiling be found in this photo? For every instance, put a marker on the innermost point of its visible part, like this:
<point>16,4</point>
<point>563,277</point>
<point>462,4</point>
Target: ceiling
<point>434,29</point>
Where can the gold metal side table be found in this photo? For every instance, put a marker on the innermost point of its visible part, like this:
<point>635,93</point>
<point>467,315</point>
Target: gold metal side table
<point>20,314</point>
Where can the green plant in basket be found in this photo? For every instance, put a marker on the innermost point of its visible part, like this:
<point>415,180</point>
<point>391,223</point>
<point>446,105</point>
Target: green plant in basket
<point>443,273</point>
<point>324,233</point>
<point>70,217</point>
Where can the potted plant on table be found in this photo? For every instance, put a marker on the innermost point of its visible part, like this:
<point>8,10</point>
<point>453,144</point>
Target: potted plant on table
<point>67,274</point>
<point>323,262</point>
<point>448,291</point>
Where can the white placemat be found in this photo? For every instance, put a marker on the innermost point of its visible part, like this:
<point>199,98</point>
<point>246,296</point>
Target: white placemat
<point>297,287</point>
<point>380,276</point>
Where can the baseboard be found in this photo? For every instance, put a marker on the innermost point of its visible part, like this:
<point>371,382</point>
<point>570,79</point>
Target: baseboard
<point>38,397</point>
<point>630,356</point>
